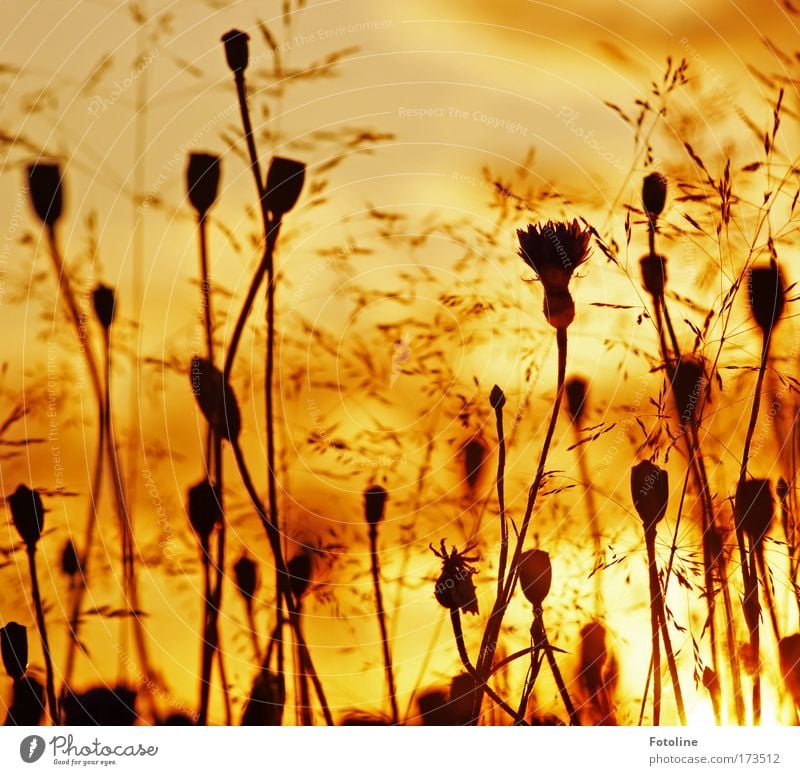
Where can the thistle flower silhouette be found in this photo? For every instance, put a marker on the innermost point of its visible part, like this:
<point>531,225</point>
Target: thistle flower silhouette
<point>554,250</point>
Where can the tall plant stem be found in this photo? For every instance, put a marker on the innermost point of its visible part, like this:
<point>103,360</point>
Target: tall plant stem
<point>554,669</point>
<point>749,570</point>
<point>650,542</point>
<point>495,622</point>
<point>594,527</point>
<point>376,586</point>
<point>284,593</point>
<point>255,166</point>
<point>501,499</point>
<point>458,633</point>
<point>52,705</point>
<point>207,650</point>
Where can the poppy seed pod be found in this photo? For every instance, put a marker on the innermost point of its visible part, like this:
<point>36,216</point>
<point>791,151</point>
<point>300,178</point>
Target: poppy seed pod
<point>246,575</point>
<point>204,509</point>
<point>767,295</point>
<point>44,184</point>
<point>789,650</point>
<point>237,49</point>
<point>454,588</point>
<point>650,492</point>
<point>474,455</point>
<point>70,562</point>
<point>285,180</point>
<point>202,181</point>
<point>688,383</point>
<point>559,309</point>
<point>754,508</point>
<point>216,399</point>
<point>576,390</point>
<point>14,648</point>
<point>27,703</point>
<point>497,398</point>
<point>27,513</point>
<point>593,655</point>
<point>375,498</point>
<point>535,576</point>
<point>654,274</point>
<point>654,194</point>
<point>299,569</point>
<point>104,303</point>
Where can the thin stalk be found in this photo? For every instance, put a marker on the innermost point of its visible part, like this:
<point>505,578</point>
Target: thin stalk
<point>455,620</point>
<point>255,166</point>
<point>594,527</point>
<point>381,614</point>
<point>501,499</point>
<point>207,647</point>
<point>285,594</point>
<point>766,584</point>
<point>495,622</point>
<point>251,624</point>
<point>42,627</point>
<point>537,657</point>
<point>554,669</point>
<point>650,542</point>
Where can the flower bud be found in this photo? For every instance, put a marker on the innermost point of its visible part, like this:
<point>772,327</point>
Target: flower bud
<point>559,308</point>
<point>535,576</point>
<point>285,180</point>
<point>654,194</point>
<point>204,509</point>
<point>246,575</point>
<point>216,399</point>
<point>299,569</point>
<point>44,183</point>
<point>70,562</point>
<point>14,648</point>
<point>767,295</point>
<point>754,508</point>
<point>654,274</point>
<point>202,181</point>
<point>104,305</point>
<point>27,513</point>
<point>688,383</point>
<point>375,498</point>
<point>236,49</point>
<point>650,492</point>
<point>575,391</point>
<point>497,398</point>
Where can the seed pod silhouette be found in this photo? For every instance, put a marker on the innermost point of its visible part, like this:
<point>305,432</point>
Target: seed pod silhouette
<point>14,649</point>
<point>473,458</point>
<point>237,50</point>
<point>497,398</point>
<point>649,492</point>
<point>299,569</point>
<point>27,703</point>
<point>264,706</point>
<point>44,184</point>
<point>454,588</point>
<point>285,180</point>
<point>202,181</point>
<point>204,509</point>
<point>101,705</point>
<point>789,650</point>
<point>654,194</point>
<point>375,498</point>
<point>104,303</point>
<point>70,562</point>
<point>688,383</point>
<point>576,390</point>
<point>535,576</point>
<point>654,274</point>
<point>216,399</point>
<point>27,513</point>
<point>767,295</point>
<point>245,572</point>
<point>754,508</point>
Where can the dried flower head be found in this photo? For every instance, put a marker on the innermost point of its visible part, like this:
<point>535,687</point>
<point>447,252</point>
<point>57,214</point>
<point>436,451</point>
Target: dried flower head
<point>216,399</point>
<point>554,250</point>
<point>654,194</point>
<point>14,649</point>
<point>650,492</point>
<point>104,303</point>
<point>204,509</point>
<point>789,650</point>
<point>575,391</point>
<point>27,513</point>
<point>497,398</point>
<point>767,295</point>
<point>265,705</point>
<point>688,384</point>
<point>473,458</point>
<point>245,572</point>
<point>375,498</point>
<point>654,274</point>
<point>535,576</point>
<point>44,184</point>
<point>454,588</point>
<point>754,508</point>
<point>285,180</point>
<point>237,49</point>
<point>70,562</point>
<point>202,181</point>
